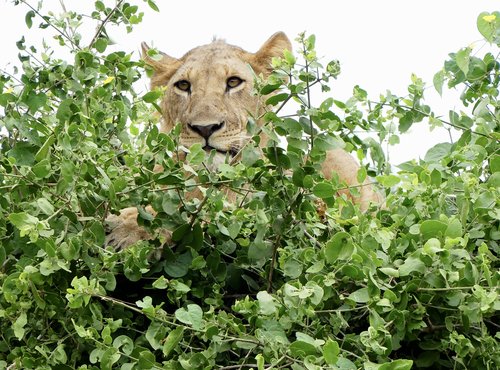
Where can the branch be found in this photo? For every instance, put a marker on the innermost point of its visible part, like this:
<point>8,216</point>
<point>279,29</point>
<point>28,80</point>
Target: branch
<point>273,261</point>
<point>443,121</point>
<point>106,20</point>
<point>51,25</point>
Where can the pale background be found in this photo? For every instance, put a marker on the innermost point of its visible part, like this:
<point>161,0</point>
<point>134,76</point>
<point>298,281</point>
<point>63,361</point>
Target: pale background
<point>379,43</point>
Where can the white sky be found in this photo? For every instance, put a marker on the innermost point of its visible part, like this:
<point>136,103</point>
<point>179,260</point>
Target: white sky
<point>379,43</point>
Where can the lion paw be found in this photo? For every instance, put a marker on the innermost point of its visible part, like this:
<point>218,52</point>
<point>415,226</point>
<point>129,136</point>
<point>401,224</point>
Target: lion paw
<point>124,229</point>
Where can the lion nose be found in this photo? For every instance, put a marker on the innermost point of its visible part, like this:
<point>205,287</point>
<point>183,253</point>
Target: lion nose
<point>206,130</point>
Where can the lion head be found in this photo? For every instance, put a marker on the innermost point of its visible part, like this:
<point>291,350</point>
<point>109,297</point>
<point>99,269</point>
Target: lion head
<point>209,91</point>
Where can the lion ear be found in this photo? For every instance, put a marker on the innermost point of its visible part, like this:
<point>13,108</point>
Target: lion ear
<point>163,68</point>
<point>273,47</point>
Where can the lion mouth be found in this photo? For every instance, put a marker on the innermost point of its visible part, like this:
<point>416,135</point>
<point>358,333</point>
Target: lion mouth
<point>232,151</point>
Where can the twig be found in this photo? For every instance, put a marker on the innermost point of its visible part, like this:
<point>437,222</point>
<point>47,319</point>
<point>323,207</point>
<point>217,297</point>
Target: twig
<point>443,121</point>
<point>273,261</point>
<point>450,288</point>
<point>51,25</point>
<point>316,242</point>
<point>308,105</point>
<point>103,23</point>
<point>342,309</point>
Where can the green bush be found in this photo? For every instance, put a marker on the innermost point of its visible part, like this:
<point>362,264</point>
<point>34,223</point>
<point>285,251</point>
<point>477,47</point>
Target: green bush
<point>268,282</point>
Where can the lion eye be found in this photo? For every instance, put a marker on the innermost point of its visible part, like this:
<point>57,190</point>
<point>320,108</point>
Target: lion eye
<point>233,82</point>
<point>183,85</point>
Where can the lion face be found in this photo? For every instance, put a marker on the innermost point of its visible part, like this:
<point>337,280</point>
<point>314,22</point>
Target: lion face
<point>209,91</point>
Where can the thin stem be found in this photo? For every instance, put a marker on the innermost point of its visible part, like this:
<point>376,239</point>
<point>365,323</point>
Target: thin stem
<point>73,31</point>
<point>316,242</point>
<point>308,91</point>
<point>273,261</point>
<point>103,23</point>
<point>342,309</point>
<point>443,121</point>
<point>3,71</point>
<point>51,25</point>
<point>447,289</point>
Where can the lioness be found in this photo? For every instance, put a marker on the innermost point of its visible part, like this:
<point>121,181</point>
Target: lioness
<point>209,91</point>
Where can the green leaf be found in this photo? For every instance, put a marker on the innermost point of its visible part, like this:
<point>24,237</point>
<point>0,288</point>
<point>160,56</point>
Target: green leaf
<point>488,25</point>
<point>29,18</point>
<point>388,181</point>
<point>462,59</point>
<point>3,254</point>
<point>234,229</point>
<point>292,269</point>
<point>345,364</point>
<point>168,179</point>
<point>109,357</point>
<point>26,223</point>
<point>45,206</point>
<point>193,316</point>
<point>124,344</point>
<point>339,247</point>
<point>19,325</point>
<point>23,153</point>
<point>99,5</point>
<point>438,152</point>
<point>196,154</point>
<point>153,5</point>
<point>436,178</point>
<point>389,271</point>
<point>35,101</point>
<point>494,163</point>
<point>59,354</point>
<point>485,202</point>
<point>42,169</point>
<point>411,265</point>
<point>161,283</point>
<point>64,111</point>
<point>249,156</point>
<point>331,351</point>
<point>432,229</point>
<point>289,57</point>
<point>44,149</point>
<point>179,265</point>
<point>180,287</point>
<point>152,96</point>
<point>267,89</point>
<point>267,303</point>
<point>397,365</point>
<point>454,229</point>
<point>260,360</point>
<point>301,349</point>
<point>101,44</point>
<point>181,230</point>
<point>360,295</point>
<point>97,230</point>
<point>438,81</point>
<point>326,105</point>
<point>172,340</point>
<point>432,246</point>
<point>278,157</point>
<point>324,190</point>
<point>147,360</point>
<point>155,334</point>
<point>310,42</point>
<point>275,99</point>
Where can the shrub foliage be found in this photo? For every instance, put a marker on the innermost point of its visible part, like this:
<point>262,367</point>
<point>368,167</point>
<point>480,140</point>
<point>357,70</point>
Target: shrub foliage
<point>291,276</point>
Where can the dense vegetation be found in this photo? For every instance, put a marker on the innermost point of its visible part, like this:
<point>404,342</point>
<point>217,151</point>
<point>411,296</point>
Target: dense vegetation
<point>290,277</point>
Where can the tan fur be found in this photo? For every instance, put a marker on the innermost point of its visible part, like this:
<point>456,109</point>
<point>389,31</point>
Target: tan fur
<point>210,103</point>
